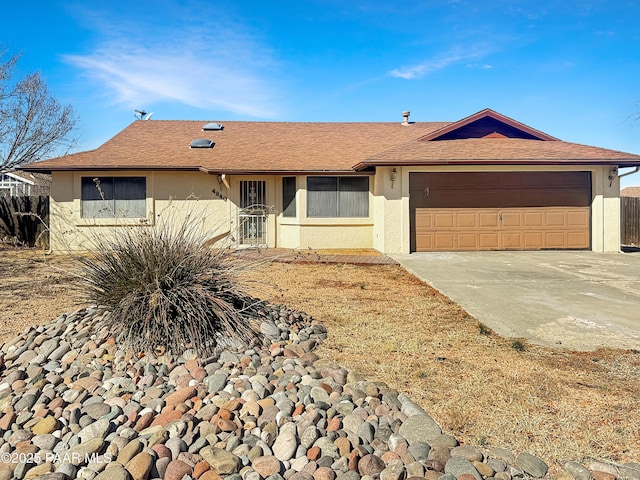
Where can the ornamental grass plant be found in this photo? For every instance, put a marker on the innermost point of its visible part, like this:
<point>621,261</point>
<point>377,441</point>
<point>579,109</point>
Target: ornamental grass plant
<point>165,291</point>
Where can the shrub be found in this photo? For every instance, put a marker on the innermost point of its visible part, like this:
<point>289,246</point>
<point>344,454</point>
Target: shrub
<point>483,329</point>
<point>165,290</point>
<point>518,345</point>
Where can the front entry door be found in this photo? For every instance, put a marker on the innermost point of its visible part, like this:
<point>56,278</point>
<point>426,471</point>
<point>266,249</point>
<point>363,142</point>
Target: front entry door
<point>252,215</point>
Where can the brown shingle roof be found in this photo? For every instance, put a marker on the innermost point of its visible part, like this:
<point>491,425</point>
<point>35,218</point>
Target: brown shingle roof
<point>630,192</point>
<point>289,147</point>
<point>242,147</point>
<point>497,151</point>
<point>39,179</point>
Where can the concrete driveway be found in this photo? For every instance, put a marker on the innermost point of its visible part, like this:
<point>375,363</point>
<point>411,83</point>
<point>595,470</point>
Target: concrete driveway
<point>575,300</point>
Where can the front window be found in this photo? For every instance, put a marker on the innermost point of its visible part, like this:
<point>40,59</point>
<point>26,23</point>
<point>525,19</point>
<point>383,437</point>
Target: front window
<point>337,197</point>
<point>289,196</point>
<point>114,197</point>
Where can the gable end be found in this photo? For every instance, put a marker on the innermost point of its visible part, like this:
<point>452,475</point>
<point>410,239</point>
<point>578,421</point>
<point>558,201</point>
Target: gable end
<point>485,127</point>
<point>487,124</point>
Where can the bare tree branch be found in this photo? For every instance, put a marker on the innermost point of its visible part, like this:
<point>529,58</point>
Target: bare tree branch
<point>33,124</point>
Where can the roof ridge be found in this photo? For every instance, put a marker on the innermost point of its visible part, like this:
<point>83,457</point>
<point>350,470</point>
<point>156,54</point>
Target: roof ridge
<point>364,122</point>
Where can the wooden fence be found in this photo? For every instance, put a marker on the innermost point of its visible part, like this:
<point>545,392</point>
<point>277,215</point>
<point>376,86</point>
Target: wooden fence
<point>630,221</point>
<point>24,220</point>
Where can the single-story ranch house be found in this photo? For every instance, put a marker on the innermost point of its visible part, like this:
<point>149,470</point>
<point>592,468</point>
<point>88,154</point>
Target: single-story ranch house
<point>486,182</point>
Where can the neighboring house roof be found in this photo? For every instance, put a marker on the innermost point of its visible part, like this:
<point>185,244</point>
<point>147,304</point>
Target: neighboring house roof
<point>24,183</point>
<point>630,192</point>
<point>30,178</point>
<point>20,177</point>
<point>241,147</point>
<point>484,138</point>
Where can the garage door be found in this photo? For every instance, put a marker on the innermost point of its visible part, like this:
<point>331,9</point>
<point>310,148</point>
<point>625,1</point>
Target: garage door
<point>500,211</point>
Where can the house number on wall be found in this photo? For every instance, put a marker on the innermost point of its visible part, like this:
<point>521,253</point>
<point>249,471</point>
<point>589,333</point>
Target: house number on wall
<point>219,195</point>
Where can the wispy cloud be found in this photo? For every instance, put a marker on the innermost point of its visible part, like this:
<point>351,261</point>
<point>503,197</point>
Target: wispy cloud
<point>454,56</point>
<point>208,67</point>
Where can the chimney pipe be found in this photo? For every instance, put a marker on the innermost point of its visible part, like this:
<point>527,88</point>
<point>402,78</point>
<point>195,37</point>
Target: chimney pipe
<point>405,115</point>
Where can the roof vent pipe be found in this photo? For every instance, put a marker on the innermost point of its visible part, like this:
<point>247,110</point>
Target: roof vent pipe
<point>405,115</point>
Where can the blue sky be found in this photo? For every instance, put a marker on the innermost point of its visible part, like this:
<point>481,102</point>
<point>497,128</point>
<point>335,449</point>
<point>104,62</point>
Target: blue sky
<point>568,68</point>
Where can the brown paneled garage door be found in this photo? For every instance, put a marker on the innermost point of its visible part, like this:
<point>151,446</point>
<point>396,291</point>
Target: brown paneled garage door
<point>500,211</point>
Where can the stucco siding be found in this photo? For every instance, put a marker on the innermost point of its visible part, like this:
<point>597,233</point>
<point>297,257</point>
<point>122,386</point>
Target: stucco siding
<point>327,233</point>
<point>605,210</point>
<point>392,219</point>
<point>212,206</point>
<point>336,236</point>
<point>289,236</point>
<point>387,208</point>
<point>171,196</point>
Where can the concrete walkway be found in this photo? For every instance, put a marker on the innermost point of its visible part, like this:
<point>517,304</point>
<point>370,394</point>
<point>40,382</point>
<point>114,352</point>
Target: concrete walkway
<point>575,300</point>
<point>353,257</point>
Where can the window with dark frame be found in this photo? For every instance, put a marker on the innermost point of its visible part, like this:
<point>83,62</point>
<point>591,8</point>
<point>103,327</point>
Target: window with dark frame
<point>288,197</point>
<point>337,197</point>
<point>113,197</point>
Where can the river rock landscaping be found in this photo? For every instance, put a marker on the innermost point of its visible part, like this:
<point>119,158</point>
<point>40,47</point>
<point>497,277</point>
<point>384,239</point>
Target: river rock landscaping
<point>75,405</point>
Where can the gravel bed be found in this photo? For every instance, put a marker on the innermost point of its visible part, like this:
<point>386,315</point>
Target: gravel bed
<point>74,405</point>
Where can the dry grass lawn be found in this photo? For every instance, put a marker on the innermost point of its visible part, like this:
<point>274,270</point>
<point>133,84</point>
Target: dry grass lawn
<point>383,322</point>
<point>386,324</point>
<point>32,291</point>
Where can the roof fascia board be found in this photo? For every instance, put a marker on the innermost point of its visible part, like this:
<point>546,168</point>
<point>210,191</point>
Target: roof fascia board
<point>281,172</point>
<point>210,171</point>
<point>522,162</point>
<point>92,168</point>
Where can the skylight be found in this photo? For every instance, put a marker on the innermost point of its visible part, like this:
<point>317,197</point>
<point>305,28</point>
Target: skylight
<point>213,126</point>
<point>201,143</point>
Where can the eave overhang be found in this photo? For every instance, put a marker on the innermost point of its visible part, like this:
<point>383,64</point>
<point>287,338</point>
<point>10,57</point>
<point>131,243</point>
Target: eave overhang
<point>212,171</point>
<point>35,168</point>
<point>520,162</point>
<point>281,172</point>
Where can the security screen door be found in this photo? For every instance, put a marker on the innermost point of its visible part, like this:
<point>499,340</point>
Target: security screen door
<point>252,215</point>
